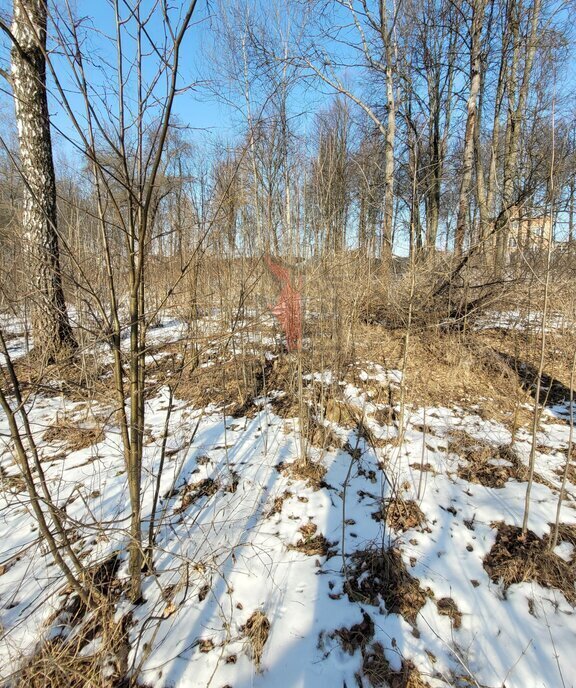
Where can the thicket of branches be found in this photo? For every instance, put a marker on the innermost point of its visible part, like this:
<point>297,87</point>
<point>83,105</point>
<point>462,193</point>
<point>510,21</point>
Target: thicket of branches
<point>389,152</point>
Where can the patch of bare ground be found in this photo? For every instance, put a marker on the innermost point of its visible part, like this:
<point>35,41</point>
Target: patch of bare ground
<point>570,474</point>
<point>567,533</point>
<point>193,492</point>
<point>425,467</point>
<point>12,483</point>
<point>380,575</point>
<point>377,671</point>
<point>74,435</point>
<point>517,559</point>
<point>448,368</point>
<point>310,472</point>
<point>317,434</point>
<point>400,514</point>
<point>62,660</point>
<point>232,384</point>
<point>357,636</point>
<point>278,503</point>
<point>447,607</point>
<point>312,543</point>
<point>375,667</point>
<point>486,464</point>
<point>256,631</point>
<point>86,381</point>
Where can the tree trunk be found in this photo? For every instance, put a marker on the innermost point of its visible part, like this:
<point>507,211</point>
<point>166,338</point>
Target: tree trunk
<point>472,106</point>
<point>516,108</point>
<point>53,337</point>
<point>387,227</point>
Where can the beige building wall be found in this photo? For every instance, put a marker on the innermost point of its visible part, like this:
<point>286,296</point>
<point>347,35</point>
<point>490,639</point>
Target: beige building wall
<point>530,233</point>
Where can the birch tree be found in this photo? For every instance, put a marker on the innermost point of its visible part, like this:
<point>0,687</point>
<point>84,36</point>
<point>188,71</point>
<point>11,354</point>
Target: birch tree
<point>53,337</point>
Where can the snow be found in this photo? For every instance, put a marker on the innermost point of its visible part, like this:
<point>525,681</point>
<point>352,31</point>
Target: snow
<point>224,555</point>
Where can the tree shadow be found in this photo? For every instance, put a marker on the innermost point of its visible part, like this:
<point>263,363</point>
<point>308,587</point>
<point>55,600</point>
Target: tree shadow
<point>553,392</point>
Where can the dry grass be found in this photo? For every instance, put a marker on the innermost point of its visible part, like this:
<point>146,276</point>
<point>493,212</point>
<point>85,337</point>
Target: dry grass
<point>310,472</point>
<point>91,381</point>
<point>311,543</point>
<point>12,483</point>
<point>74,435</point>
<point>516,559</point>
<point>447,607</point>
<point>62,660</point>
<point>256,631</point>
<point>377,671</point>
<point>357,636</point>
<point>58,663</point>
<point>278,503</point>
<point>484,461</point>
<point>401,514</point>
<point>232,384</point>
<point>377,575</point>
<point>193,492</point>
<point>445,369</point>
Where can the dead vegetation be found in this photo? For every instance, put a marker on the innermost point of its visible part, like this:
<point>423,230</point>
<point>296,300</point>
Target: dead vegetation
<point>486,464</point>
<point>379,674</point>
<point>567,533</point>
<point>193,492</point>
<point>312,543</point>
<point>256,631</point>
<point>516,559</point>
<point>310,472</point>
<point>228,382</point>
<point>401,514</point>
<point>466,369</point>
<point>447,607</point>
<point>357,636</point>
<point>76,379</point>
<point>73,434</point>
<point>376,668</point>
<point>10,482</point>
<point>278,503</point>
<point>62,660</point>
<point>377,576</point>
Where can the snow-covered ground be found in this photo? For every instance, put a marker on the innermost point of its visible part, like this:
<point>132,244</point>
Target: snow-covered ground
<point>237,531</point>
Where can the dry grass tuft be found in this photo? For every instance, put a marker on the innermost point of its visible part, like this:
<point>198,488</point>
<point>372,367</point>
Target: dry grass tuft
<point>342,413</point>
<point>447,607</point>
<point>486,464</point>
<point>193,492</point>
<point>74,435</point>
<point>567,533</point>
<point>357,636</point>
<point>256,631</point>
<point>310,472</point>
<point>401,514</point>
<point>316,433</point>
<point>63,661</point>
<point>377,575</point>
<point>377,671</point>
<point>516,559</point>
<point>312,544</point>
<point>11,483</point>
<point>278,503</point>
